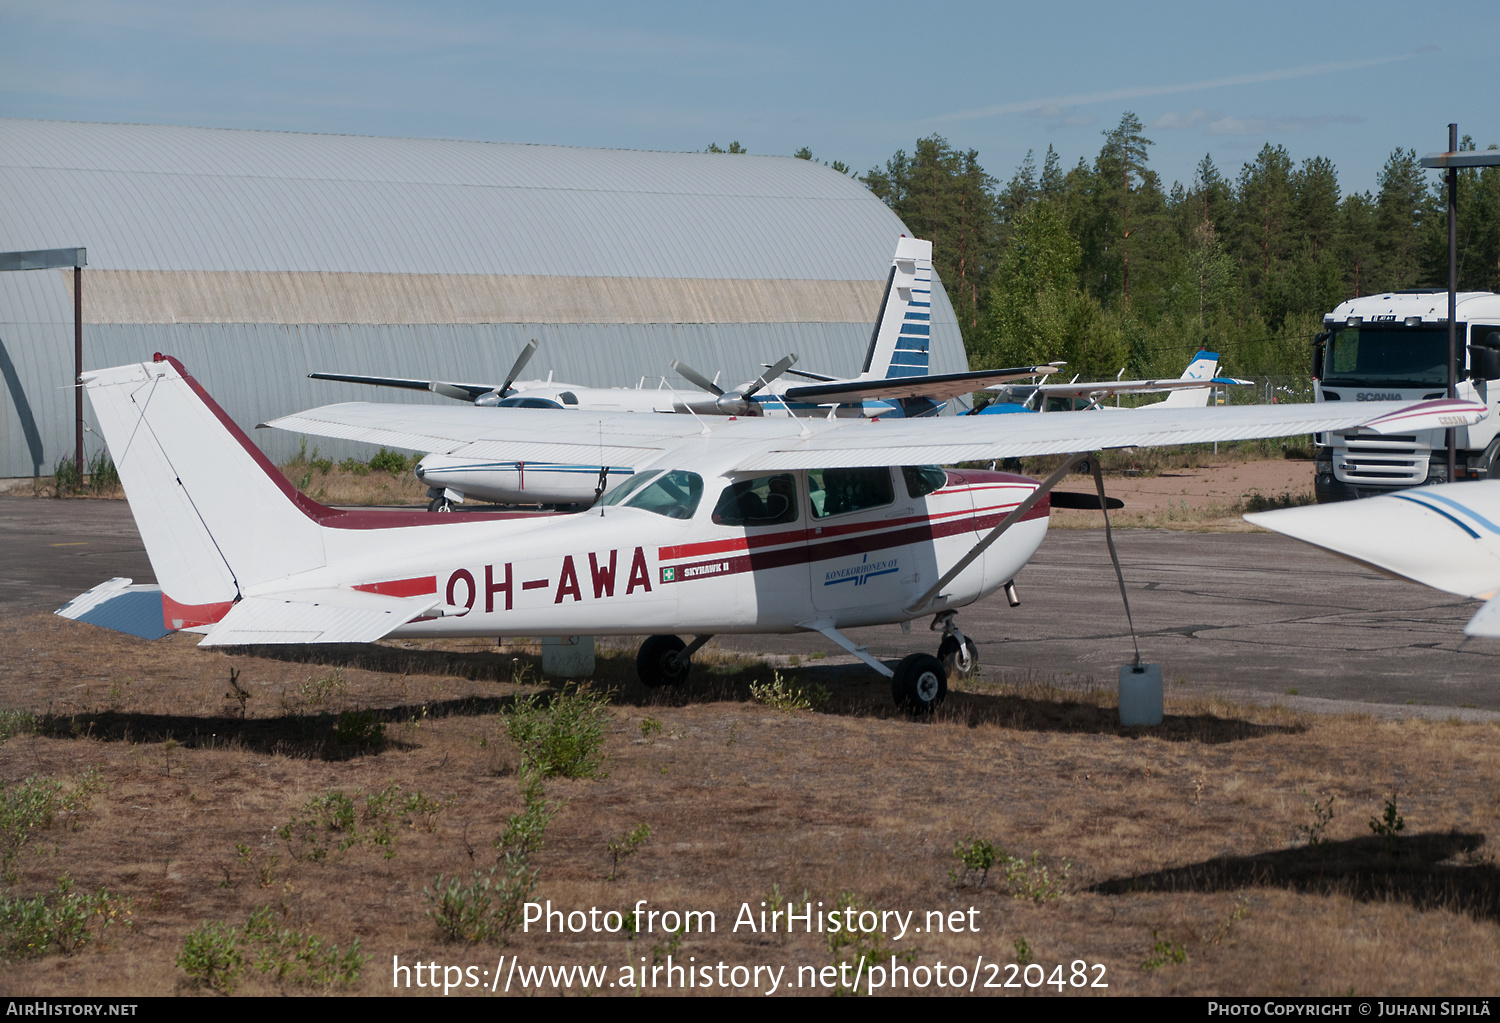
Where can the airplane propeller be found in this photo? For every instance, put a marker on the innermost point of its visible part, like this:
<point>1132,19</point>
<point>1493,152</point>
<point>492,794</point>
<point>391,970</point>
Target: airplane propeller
<point>503,391</point>
<point>741,400</point>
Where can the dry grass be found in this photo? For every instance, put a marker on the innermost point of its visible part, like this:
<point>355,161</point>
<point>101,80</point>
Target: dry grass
<point>1186,829</point>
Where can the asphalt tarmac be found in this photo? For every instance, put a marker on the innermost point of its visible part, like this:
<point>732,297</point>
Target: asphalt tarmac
<point>1247,615</point>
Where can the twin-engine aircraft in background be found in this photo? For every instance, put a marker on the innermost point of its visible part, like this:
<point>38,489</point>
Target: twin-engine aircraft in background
<point>1191,390</point>
<point>893,384</point>
<point>1445,536</point>
<point>735,525</point>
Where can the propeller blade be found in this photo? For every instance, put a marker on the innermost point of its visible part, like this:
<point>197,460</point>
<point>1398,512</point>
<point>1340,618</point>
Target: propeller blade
<point>517,366</point>
<point>769,375</point>
<point>698,378</point>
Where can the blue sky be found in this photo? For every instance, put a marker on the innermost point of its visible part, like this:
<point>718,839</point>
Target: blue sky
<point>854,82</point>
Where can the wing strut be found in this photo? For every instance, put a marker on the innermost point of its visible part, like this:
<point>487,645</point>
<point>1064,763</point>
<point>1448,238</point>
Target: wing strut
<point>917,606</point>
<point>1109,538</point>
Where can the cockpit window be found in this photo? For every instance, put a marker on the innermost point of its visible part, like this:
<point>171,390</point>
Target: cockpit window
<point>519,402</point>
<point>762,501</point>
<point>674,494</point>
<point>568,398</point>
<point>922,480</point>
<point>837,491</point>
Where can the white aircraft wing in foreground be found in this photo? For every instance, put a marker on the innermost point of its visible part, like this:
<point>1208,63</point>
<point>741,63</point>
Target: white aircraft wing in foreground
<point>1445,536</point>
<point>740,525</point>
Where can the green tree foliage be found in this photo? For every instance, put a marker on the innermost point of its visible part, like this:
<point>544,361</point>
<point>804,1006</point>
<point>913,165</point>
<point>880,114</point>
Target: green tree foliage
<point>1102,266</point>
<point>946,196</point>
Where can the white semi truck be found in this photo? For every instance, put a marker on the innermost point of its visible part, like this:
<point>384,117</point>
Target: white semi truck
<point>1394,347</point>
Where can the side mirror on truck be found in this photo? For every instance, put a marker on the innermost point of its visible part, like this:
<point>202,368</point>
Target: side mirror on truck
<point>1484,358</point>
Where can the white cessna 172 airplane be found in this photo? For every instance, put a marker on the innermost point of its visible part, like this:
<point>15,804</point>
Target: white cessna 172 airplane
<point>1187,391</point>
<point>746,525</point>
<point>893,384</point>
<point>1445,536</point>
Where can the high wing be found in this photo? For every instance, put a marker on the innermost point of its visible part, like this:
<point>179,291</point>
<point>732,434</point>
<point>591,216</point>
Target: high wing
<point>448,389</point>
<point>1445,536</point>
<point>942,387</point>
<point>529,434</point>
<point>1110,388</point>
<point>918,442</point>
<point>781,444</point>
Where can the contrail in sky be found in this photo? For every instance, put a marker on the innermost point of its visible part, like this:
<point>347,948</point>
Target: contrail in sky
<point>1305,71</point>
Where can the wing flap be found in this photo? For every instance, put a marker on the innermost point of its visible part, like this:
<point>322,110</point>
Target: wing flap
<point>316,616</point>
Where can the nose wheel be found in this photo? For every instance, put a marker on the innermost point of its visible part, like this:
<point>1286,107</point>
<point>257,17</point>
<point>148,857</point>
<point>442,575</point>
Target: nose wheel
<point>958,653</point>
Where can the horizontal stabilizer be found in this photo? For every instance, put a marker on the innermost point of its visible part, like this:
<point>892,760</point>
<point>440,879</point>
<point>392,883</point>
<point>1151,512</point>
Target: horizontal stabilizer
<point>1486,621</point>
<point>122,607</point>
<point>1082,502</point>
<point>316,616</point>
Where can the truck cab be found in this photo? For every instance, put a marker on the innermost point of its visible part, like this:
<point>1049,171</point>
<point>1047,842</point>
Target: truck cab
<point>1394,347</point>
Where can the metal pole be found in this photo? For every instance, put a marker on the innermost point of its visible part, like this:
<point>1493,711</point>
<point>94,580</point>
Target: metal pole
<point>78,372</point>
<point>1452,296</point>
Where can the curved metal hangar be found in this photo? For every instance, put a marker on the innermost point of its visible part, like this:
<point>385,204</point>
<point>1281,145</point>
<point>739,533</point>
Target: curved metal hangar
<point>259,257</point>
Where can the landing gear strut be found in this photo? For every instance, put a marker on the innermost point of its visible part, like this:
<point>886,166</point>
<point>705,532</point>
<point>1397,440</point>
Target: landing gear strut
<point>958,653</point>
<point>440,504</point>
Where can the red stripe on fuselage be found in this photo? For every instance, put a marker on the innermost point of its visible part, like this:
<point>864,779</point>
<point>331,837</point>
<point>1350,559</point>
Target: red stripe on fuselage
<point>418,587</point>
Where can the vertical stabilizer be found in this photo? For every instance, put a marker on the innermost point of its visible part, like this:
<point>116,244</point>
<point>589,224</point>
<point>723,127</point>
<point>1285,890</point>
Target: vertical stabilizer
<point>903,329</point>
<point>1203,367</point>
<point>215,515</point>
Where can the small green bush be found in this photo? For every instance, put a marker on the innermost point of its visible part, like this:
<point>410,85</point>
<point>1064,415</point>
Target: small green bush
<point>213,955</point>
<point>564,736</point>
<point>782,695</point>
<point>392,462</point>
<point>334,821</point>
<point>488,907</point>
<point>60,921</point>
<point>1164,953</point>
<point>975,856</point>
<point>361,729</point>
<point>34,805</point>
<point>1030,879</point>
<point>16,722</point>
<point>626,845</point>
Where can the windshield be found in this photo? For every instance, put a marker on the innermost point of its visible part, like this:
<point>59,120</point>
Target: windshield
<point>1416,357</point>
<point>673,494</point>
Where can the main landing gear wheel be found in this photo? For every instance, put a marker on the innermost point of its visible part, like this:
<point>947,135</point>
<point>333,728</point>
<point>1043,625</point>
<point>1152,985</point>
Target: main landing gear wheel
<point>440,504</point>
<point>920,683</point>
<point>658,663</point>
<point>960,660</point>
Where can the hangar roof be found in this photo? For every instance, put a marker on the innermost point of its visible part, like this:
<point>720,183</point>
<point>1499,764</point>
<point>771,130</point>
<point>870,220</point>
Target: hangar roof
<point>144,197</point>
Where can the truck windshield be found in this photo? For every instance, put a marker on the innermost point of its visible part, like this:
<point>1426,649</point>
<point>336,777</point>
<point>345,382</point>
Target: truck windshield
<point>1390,357</point>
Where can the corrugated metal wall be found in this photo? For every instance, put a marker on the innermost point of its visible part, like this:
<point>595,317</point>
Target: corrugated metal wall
<point>258,257</point>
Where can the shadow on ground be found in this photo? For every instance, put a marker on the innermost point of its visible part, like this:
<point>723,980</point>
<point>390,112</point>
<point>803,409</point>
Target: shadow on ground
<point>1427,871</point>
